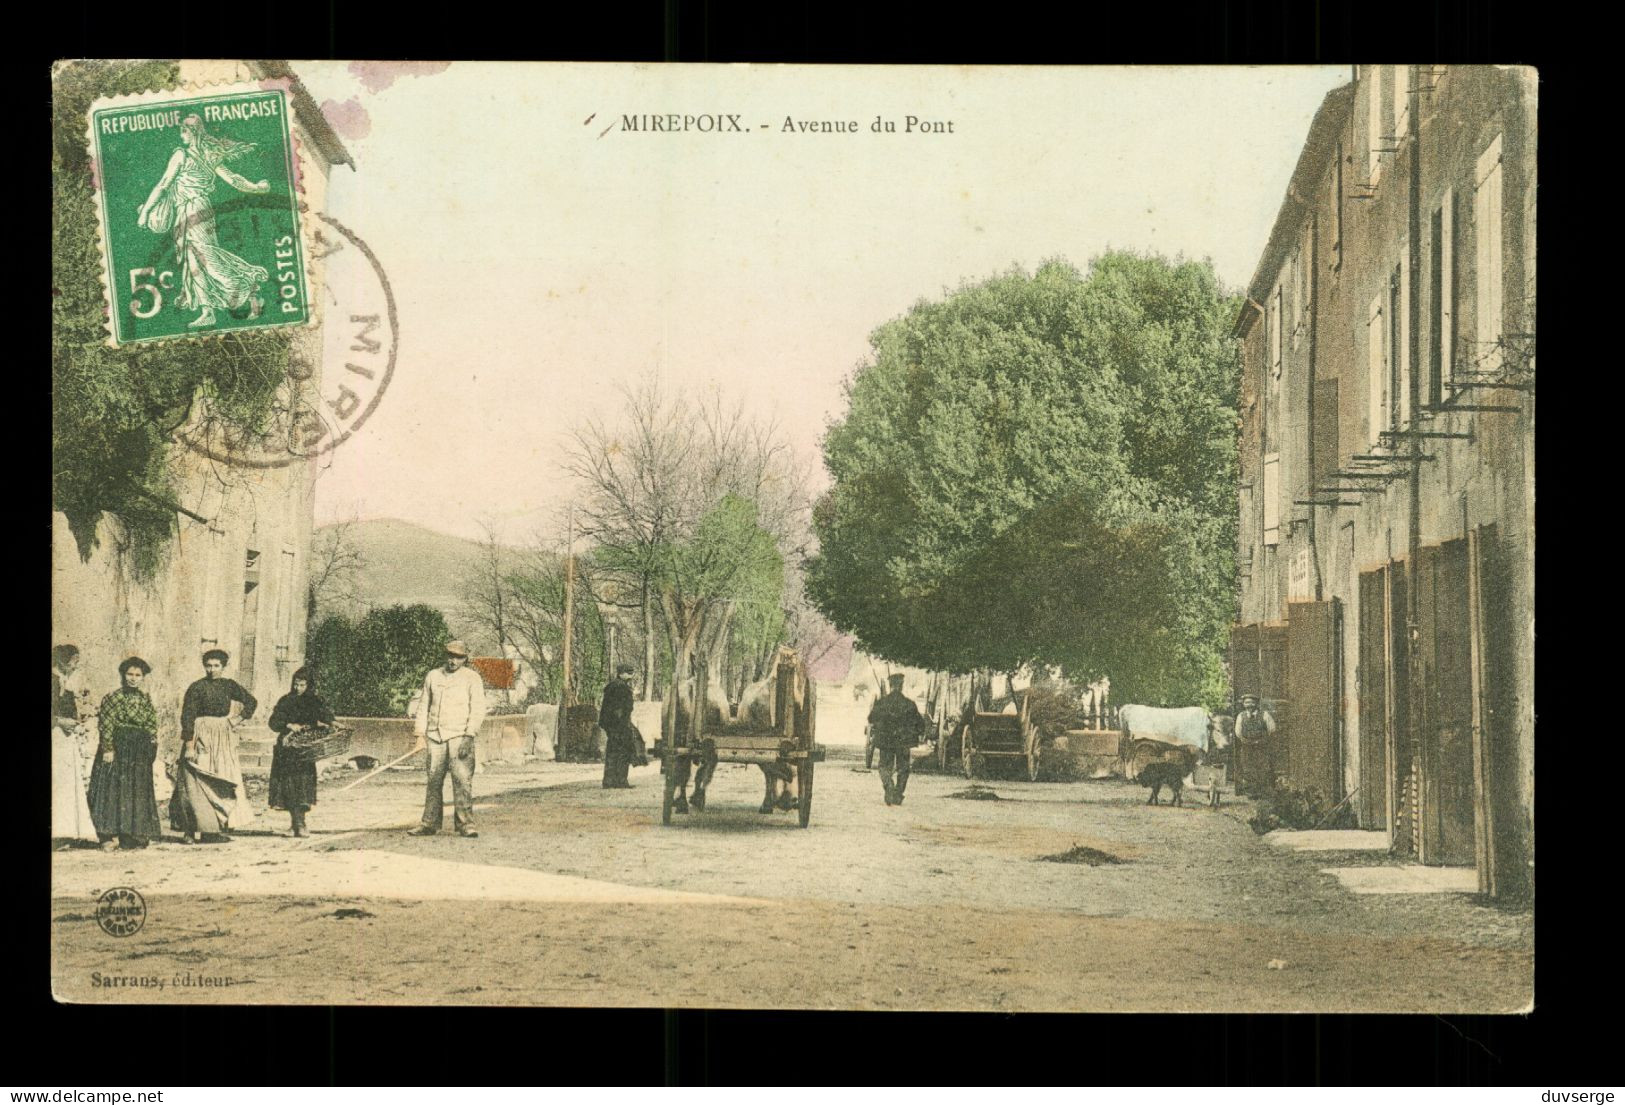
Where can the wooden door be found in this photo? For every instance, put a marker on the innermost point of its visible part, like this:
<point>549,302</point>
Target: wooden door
<point>1446,809</point>
<point>1308,725</point>
<point>1372,677</point>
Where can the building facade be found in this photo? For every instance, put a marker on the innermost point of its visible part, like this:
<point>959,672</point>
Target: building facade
<point>1386,544</point>
<point>235,574</point>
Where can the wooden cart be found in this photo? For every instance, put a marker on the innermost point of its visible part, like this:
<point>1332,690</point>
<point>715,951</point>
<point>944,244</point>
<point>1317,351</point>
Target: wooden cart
<point>1000,740</point>
<point>689,739</point>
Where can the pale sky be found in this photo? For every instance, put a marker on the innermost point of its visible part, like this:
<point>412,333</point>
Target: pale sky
<point>538,262</point>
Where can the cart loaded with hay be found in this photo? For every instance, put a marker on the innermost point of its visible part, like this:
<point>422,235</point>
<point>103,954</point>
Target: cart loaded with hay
<point>772,726</point>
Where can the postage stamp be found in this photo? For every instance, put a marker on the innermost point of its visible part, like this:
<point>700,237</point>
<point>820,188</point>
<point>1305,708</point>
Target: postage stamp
<point>199,213</point>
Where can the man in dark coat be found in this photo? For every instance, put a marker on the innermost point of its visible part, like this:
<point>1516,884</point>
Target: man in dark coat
<point>896,726</point>
<point>621,736</point>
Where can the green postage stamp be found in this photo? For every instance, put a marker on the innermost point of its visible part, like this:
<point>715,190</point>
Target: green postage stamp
<point>199,211</point>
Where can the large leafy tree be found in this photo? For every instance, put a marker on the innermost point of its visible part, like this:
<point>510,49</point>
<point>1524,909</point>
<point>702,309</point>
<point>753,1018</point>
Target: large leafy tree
<point>1040,469</point>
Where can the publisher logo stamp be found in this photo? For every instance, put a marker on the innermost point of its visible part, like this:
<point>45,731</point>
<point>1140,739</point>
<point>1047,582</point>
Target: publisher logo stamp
<point>121,911</point>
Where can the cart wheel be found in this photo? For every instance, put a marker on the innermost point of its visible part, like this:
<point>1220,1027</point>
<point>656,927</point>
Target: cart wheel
<point>804,785</point>
<point>669,770</point>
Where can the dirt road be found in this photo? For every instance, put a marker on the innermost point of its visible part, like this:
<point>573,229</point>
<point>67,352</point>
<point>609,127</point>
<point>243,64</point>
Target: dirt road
<point>574,895</point>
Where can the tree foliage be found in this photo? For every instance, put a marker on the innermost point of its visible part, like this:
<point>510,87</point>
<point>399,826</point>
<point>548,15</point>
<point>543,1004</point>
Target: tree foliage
<point>114,411</point>
<point>1040,469</point>
<point>372,667</point>
<point>690,507</point>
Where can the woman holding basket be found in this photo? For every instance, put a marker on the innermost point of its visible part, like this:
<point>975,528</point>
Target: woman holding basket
<point>297,717</point>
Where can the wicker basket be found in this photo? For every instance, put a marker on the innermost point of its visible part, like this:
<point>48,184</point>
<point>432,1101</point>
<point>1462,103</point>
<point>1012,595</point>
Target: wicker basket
<point>312,745</point>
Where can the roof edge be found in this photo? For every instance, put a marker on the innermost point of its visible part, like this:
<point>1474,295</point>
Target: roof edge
<point>304,106</point>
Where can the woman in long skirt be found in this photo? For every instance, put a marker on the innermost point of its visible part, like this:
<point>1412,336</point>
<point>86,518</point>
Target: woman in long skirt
<point>209,781</point>
<point>122,802</point>
<point>70,813</point>
<point>293,776</point>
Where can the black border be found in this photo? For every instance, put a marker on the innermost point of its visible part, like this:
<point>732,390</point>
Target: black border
<point>1563,1039</point>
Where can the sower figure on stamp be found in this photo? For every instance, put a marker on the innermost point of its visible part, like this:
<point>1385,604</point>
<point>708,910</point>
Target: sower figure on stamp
<point>450,712</point>
<point>209,781</point>
<point>181,205</point>
<point>621,736</point>
<point>896,725</point>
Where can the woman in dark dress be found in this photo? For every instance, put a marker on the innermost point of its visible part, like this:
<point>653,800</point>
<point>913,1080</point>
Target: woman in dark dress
<point>122,801</point>
<point>293,777</point>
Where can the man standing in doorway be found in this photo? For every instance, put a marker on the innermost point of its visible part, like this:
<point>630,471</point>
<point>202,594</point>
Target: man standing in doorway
<point>896,725</point>
<point>450,711</point>
<point>620,736</point>
<point>1253,753</point>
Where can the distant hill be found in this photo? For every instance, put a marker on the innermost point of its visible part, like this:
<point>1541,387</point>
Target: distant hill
<point>408,563</point>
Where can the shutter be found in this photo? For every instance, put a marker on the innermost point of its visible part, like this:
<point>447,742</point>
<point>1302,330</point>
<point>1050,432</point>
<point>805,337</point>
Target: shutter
<point>1373,123</point>
<point>1272,499</point>
<point>1447,276</point>
<point>1272,690</point>
<point>1487,224</point>
<point>1310,723</point>
<point>1402,347</point>
<point>1324,431</point>
<point>1399,756</point>
<point>1376,375</point>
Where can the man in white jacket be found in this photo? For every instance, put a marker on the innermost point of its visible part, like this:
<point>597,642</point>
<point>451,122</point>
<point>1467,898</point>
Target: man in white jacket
<point>450,710</point>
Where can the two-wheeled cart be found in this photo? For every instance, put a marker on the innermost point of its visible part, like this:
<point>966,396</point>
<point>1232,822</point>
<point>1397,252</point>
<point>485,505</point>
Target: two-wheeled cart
<point>692,744</point>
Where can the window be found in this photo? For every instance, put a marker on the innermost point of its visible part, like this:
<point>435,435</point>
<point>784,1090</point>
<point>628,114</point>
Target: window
<point>1376,374</point>
<point>1487,223</point>
<point>1373,123</point>
<point>1272,499</point>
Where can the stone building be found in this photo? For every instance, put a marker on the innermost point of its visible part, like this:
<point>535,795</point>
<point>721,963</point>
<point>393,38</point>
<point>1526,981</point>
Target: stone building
<point>234,576</point>
<point>1386,546</point>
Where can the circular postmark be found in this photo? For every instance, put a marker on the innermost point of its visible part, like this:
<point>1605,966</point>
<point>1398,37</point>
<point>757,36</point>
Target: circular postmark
<point>329,392</point>
<point>121,911</point>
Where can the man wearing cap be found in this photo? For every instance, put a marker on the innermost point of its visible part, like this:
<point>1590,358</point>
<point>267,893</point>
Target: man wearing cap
<point>450,710</point>
<point>896,725</point>
<point>1254,728</point>
<point>621,736</point>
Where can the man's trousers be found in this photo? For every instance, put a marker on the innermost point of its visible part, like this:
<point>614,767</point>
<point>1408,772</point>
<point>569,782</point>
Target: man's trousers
<point>456,756</point>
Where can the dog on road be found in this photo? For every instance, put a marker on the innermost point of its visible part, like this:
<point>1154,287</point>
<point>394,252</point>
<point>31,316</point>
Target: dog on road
<point>1163,773</point>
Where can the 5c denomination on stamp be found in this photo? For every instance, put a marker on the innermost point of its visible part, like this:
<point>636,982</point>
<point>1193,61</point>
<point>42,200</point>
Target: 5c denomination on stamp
<point>198,212</point>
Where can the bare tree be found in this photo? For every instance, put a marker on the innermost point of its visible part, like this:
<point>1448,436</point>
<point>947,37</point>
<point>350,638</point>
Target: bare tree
<point>649,478</point>
<point>487,599</point>
<point>336,567</point>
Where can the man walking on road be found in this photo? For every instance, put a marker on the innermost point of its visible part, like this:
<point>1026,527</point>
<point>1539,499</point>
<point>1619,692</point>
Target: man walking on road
<point>450,711</point>
<point>896,726</point>
<point>621,737</point>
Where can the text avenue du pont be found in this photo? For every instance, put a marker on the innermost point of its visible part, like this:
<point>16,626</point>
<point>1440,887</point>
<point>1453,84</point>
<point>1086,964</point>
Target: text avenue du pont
<point>677,123</point>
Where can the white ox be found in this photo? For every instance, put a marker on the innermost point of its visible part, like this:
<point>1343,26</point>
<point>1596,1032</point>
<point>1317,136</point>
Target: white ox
<point>1187,725</point>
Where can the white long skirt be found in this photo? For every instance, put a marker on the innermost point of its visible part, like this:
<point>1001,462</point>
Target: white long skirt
<point>70,810</point>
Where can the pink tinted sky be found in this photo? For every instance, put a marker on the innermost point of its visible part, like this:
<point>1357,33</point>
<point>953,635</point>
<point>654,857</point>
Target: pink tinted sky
<point>539,262</point>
